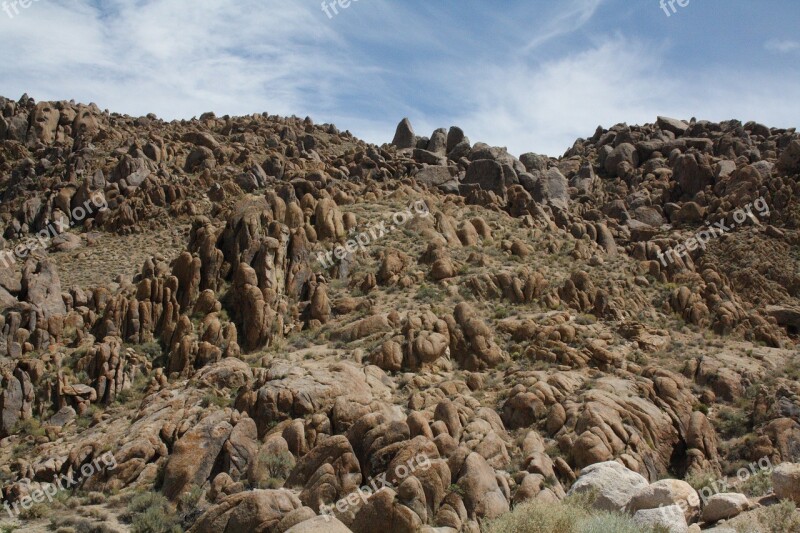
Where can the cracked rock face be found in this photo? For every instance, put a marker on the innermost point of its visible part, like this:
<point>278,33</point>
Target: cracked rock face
<point>261,330</point>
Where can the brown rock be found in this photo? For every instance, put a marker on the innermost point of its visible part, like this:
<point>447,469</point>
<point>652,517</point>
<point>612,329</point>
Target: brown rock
<point>256,511</point>
<point>195,453</point>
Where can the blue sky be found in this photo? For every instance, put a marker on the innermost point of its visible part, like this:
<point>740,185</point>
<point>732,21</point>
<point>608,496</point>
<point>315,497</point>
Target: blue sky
<point>532,75</point>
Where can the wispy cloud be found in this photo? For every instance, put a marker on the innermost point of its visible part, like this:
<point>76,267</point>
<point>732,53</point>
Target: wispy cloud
<point>783,46</point>
<point>179,57</point>
<point>544,108</point>
<point>570,17</point>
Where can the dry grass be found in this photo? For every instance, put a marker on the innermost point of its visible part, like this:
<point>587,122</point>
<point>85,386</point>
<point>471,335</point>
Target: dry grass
<point>783,517</point>
<point>573,515</point>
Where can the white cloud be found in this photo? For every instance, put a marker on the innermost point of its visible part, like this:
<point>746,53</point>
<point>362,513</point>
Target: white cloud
<point>178,58</point>
<point>544,108</point>
<point>570,17</point>
<point>783,46</point>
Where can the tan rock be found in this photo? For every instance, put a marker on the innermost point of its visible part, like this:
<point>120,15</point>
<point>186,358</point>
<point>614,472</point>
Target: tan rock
<point>615,485</point>
<point>482,494</point>
<point>724,506</point>
<point>665,493</point>
<point>786,481</point>
<point>258,510</point>
<point>195,454</point>
<point>319,524</point>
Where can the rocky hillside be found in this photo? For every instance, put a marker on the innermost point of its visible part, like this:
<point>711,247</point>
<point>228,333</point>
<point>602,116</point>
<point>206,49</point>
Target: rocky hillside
<point>264,324</point>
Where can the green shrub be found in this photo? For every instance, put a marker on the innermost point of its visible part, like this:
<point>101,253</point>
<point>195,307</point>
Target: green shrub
<point>426,293</point>
<point>96,498</point>
<point>74,524</point>
<point>732,423</point>
<point>700,480</point>
<point>31,427</point>
<point>155,520</point>
<point>273,469</point>
<point>608,522</point>
<point>782,517</point>
<point>37,510</point>
<point>87,418</point>
<point>757,485</point>
<point>190,499</point>
<point>154,353</point>
<point>135,392</point>
<point>212,398</point>
<point>151,512</point>
<point>280,465</point>
<point>573,515</point>
<point>455,487</point>
<point>140,502</point>
<point>537,517</point>
<point>152,350</point>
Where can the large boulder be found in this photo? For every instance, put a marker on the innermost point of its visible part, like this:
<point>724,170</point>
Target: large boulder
<point>200,158</point>
<point>429,158</point>
<point>328,220</point>
<point>624,153</point>
<point>41,287</point>
<point>489,175</point>
<point>384,511</point>
<point>44,124</point>
<point>693,173</point>
<point>289,391</point>
<point>666,518</point>
<point>471,340</point>
<point>482,495</point>
<point>17,127</point>
<point>724,507</point>
<point>456,137</point>
<point>327,473</point>
<point>585,180</point>
<point>678,127</point>
<point>534,161</point>
<point>257,511</point>
<point>665,493</point>
<point>614,484</point>
<point>195,454</point>
<point>552,189</point>
<point>438,142</point>
<point>786,481</point>
<point>790,158</point>
<point>404,135</point>
<point>230,372</point>
<point>434,176</point>
<point>15,400</point>
<point>786,316</point>
<point>256,316</point>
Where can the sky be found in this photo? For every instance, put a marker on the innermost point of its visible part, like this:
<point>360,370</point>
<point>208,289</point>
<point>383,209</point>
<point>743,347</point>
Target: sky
<point>532,75</point>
